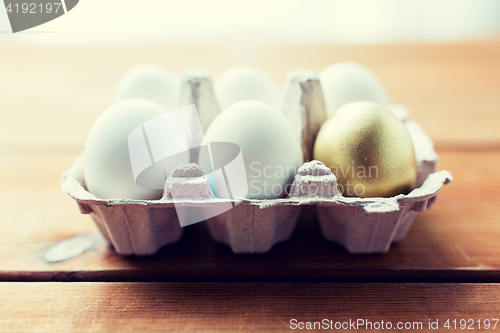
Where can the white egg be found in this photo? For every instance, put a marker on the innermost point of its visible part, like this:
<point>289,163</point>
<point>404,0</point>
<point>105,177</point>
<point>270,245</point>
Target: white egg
<point>151,82</point>
<point>108,169</point>
<point>347,82</point>
<point>270,151</point>
<point>242,83</point>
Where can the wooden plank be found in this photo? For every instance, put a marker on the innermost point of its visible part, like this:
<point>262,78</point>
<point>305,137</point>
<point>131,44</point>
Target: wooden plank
<point>456,240</point>
<point>215,307</point>
<point>451,89</point>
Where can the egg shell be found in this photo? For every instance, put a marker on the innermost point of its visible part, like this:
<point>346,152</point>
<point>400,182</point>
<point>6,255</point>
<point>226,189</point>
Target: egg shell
<point>347,82</point>
<point>149,81</point>
<point>271,153</point>
<point>242,83</point>
<point>369,149</point>
<point>108,168</point>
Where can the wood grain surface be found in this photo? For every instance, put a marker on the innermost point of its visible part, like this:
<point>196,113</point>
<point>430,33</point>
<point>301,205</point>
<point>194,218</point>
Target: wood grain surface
<point>212,307</point>
<point>49,98</point>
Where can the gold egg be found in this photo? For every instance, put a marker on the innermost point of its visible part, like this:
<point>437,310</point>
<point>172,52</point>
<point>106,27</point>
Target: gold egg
<point>369,150</point>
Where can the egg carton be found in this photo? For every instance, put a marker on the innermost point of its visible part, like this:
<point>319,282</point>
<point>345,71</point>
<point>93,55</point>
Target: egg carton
<point>361,225</point>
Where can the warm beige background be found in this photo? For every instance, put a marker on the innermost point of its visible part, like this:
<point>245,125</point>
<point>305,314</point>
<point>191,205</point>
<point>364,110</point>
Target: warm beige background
<point>49,98</point>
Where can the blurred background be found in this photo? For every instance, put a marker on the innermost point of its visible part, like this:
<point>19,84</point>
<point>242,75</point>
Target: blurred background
<point>111,22</point>
<point>438,57</point>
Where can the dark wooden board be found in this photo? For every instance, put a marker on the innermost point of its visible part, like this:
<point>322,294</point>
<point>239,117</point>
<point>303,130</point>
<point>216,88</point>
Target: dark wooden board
<point>214,307</point>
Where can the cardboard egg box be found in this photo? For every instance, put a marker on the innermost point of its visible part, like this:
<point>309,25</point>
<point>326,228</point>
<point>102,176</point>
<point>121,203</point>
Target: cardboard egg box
<point>361,225</point>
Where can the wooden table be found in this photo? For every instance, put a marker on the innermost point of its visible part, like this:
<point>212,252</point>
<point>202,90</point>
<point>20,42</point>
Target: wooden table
<point>447,268</point>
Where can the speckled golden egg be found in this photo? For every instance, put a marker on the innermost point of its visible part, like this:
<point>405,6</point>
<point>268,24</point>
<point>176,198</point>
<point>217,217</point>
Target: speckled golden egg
<point>369,150</point>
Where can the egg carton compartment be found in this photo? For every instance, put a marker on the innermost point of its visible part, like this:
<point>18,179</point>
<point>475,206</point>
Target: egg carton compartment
<point>369,225</point>
<point>141,227</point>
<point>131,226</point>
